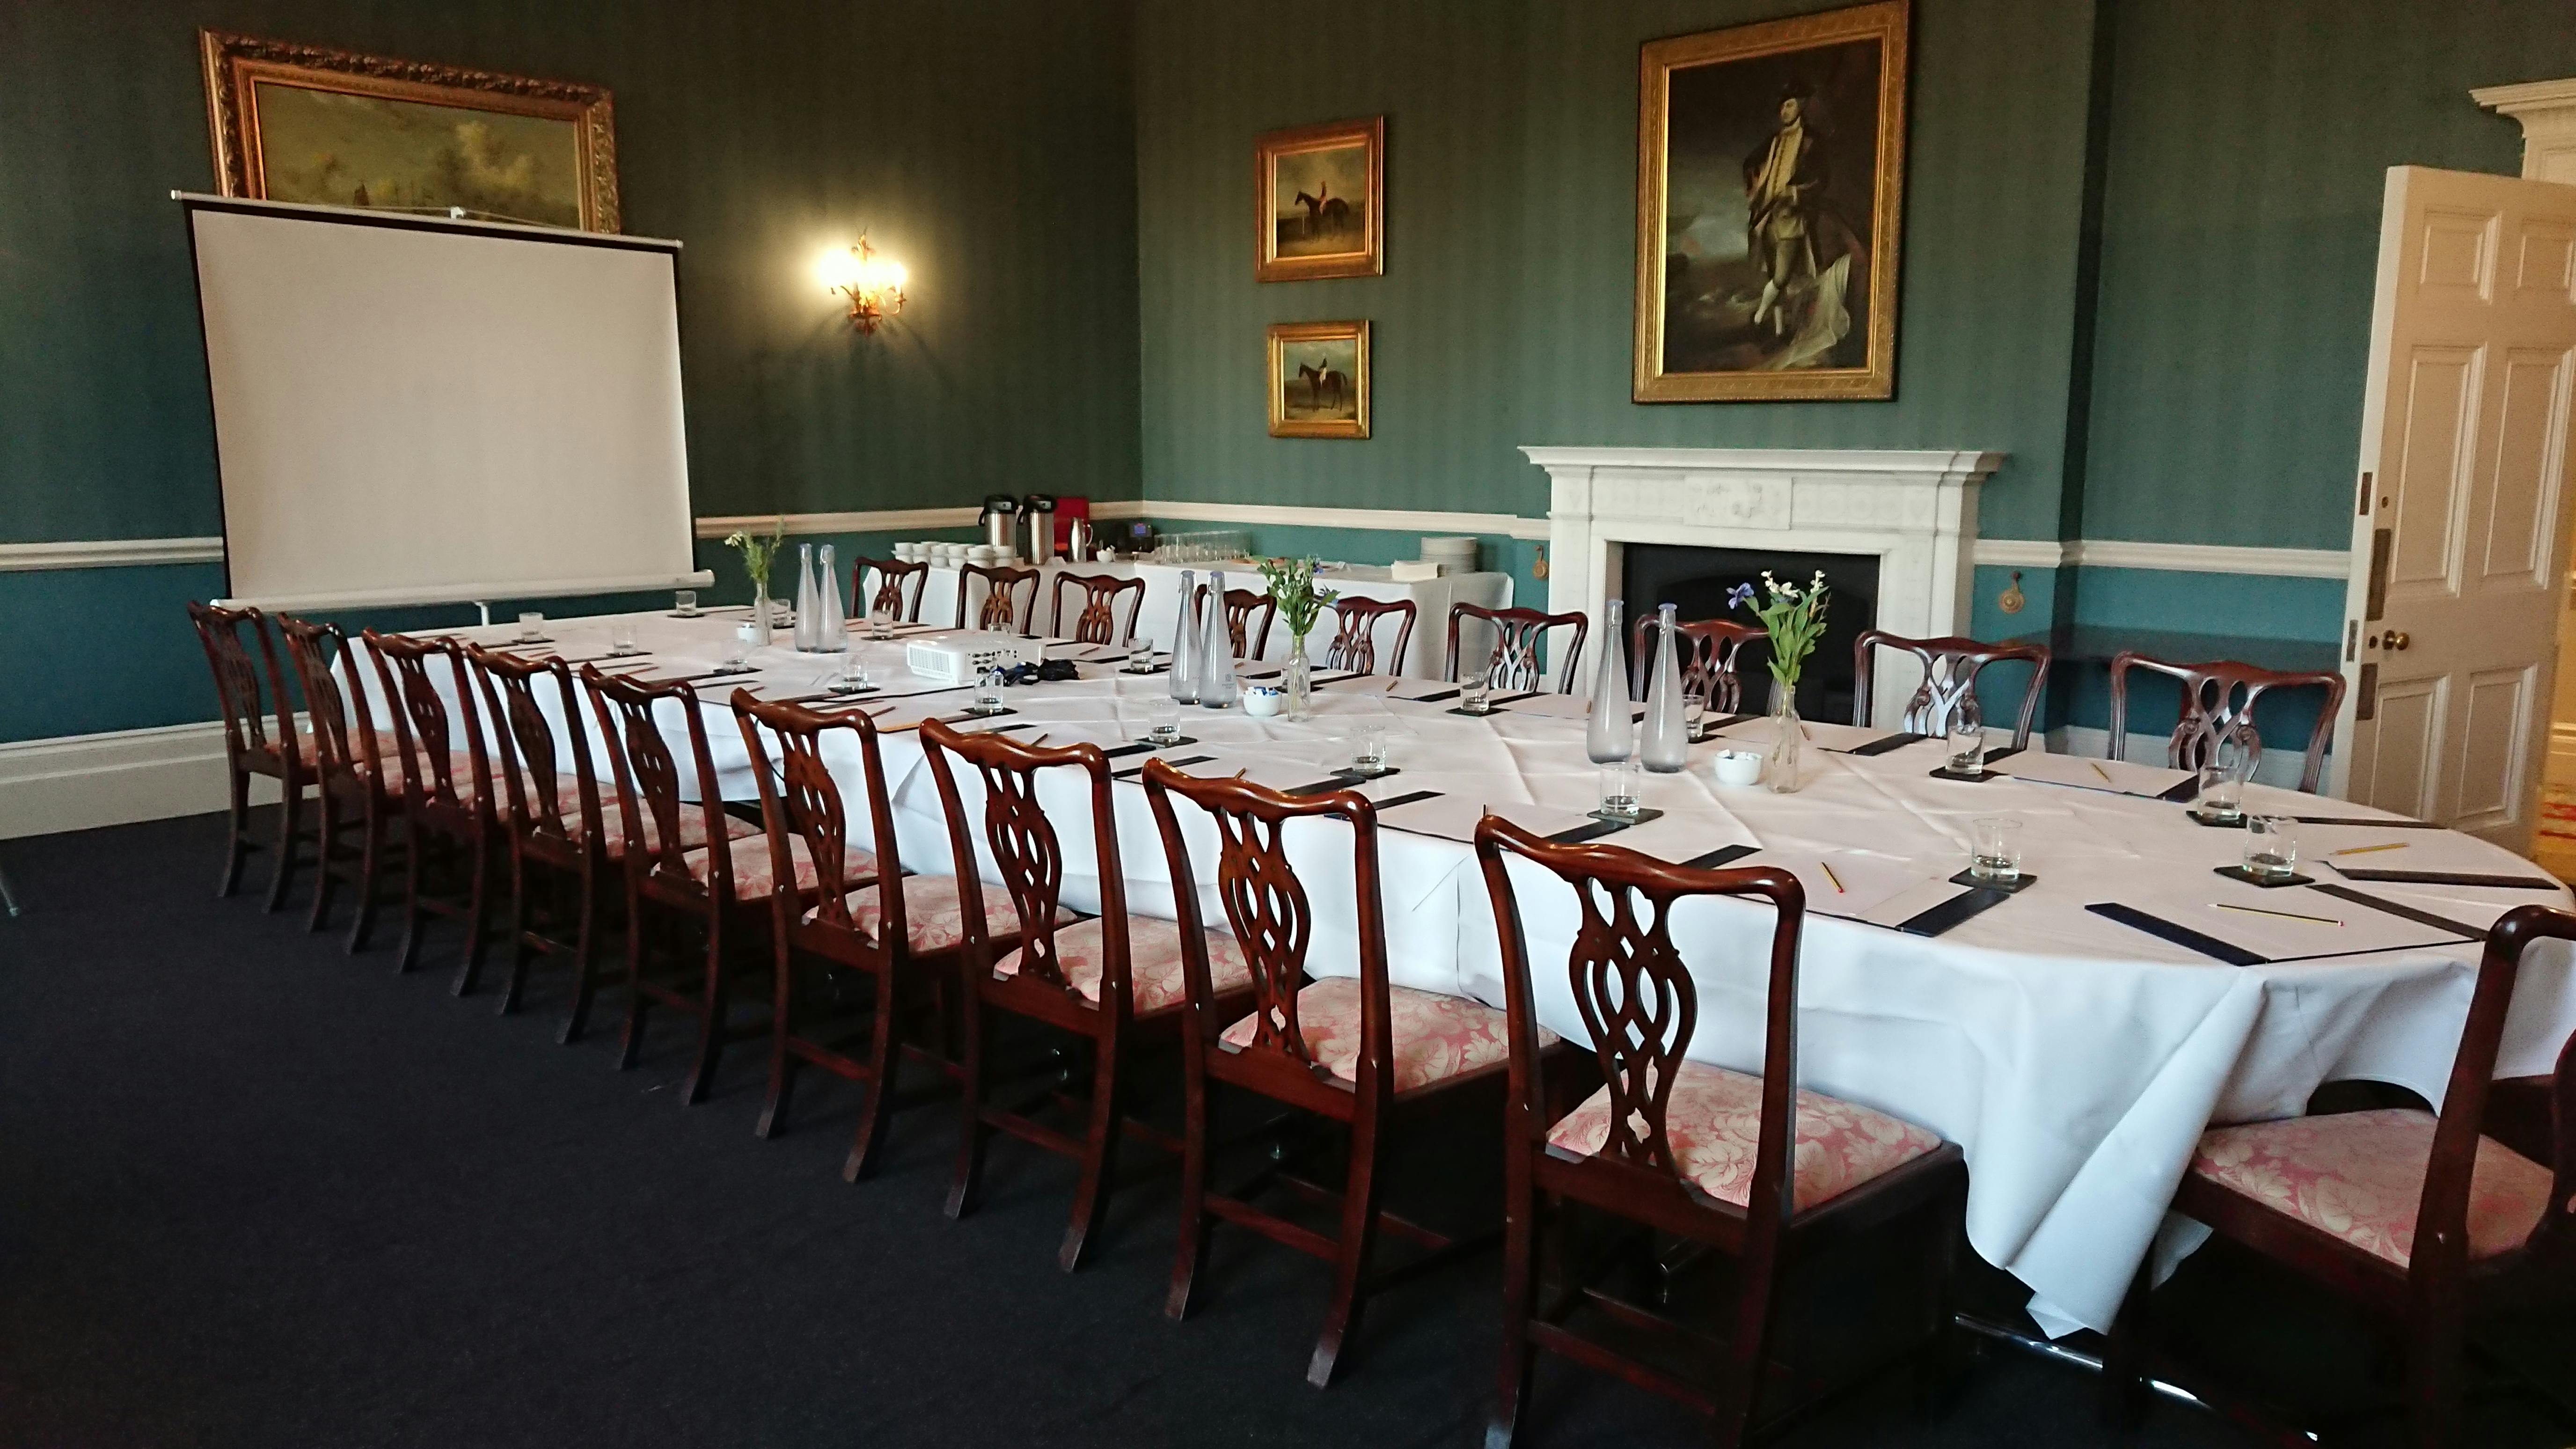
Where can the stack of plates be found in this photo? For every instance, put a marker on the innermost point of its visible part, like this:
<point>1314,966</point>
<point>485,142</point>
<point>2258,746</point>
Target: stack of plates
<point>1455,554</point>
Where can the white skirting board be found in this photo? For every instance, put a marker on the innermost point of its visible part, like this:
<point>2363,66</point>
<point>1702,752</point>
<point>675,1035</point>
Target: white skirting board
<point>76,782</point>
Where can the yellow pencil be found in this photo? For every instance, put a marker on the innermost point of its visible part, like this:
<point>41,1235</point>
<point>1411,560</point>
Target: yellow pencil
<point>2367,849</point>
<point>2284,915</point>
<point>1829,875</point>
<point>2098,770</point>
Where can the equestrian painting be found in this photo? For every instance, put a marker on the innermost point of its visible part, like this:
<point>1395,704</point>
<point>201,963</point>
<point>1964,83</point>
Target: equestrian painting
<point>1322,198</point>
<point>1319,380</point>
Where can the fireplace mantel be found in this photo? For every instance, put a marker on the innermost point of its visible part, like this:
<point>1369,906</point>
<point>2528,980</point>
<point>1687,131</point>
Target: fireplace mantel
<point>1915,509</point>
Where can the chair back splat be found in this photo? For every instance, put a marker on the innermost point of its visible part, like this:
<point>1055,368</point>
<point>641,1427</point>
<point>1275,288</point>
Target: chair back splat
<point>1354,642</point>
<point>2217,700</point>
<point>900,585</point>
<point>1708,650</point>
<point>1097,622</point>
<point>1950,667</point>
<point>1518,637</point>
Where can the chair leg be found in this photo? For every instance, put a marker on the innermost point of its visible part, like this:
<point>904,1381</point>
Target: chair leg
<point>1520,1298</point>
<point>1099,1156</point>
<point>630,1047</point>
<point>782,1062</point>
<point>478,861</point>
<point>416,848</point>
<point>520,951</point>
<point>1936,1366</point>
<point>2124,1355</point>
<point>371,859</point>
<point>1740,1374</point>
<point>1191,1256</point>
<point>966,1180</point>
<point>326,843</point>
<point>585,960</point>
<point>2433,1354</point>
<point>1358,1235</point>
<point>885,1055</point>
<point>236,831</point>
<point>290,822</point>
<point>712,1024</point>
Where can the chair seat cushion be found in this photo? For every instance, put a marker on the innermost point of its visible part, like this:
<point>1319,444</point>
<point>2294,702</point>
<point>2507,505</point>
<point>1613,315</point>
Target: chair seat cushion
<point>1715,1119</point>
<point>612,823</point>
<point>1156,981</point>
<point>1436,1037</point>
<point>2359,1176</point>
<point>754,875</point>
<point>933,919</point>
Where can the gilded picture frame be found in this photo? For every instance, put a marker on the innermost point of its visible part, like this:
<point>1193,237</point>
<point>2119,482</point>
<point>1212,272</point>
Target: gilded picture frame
<point>1770,197</point>
<point>1319,379</point>
<point>1306,183</point>
<point>295,122</point>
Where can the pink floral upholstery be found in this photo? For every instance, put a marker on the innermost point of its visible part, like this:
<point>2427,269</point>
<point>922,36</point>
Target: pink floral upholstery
<point>388,748</point>
<point>933,918</point>
<point>1436,1037</point>
<point>2360,1177</point>
<point>1155,978</point>
<point>1716,1116</point>
<point>612,823</point>
<point>754,876</point>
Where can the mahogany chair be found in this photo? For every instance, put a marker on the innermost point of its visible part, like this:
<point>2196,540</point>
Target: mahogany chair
<point>1354,641</point>
<point>1950,666</point>
<point>697,876</point>
<point>1111,980</point>
<point>1350,1051</point>
<point>249,748</point>
<point>902,932</point>
<point>2421,1220</point>
<point>900,585</point>
<point>2218,698</point>
<point>1004,610</point>
<point>1101,594</point>
<point>563,844</point>
<point>1707,650</point>
<point>351,771</point>
<point>451,817</point>
<point>1518,636</point>
<point>1660,1144</point>
<point>1247,619</point>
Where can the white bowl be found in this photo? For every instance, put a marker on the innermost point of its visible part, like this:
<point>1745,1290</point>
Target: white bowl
<point>1736,767</point>
<point>1261,702</point>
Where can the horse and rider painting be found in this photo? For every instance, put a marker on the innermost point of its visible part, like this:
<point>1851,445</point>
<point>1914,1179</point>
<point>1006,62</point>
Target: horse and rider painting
<point>1321,192</point>
<point>1319,380</point>
<point>1770,175</point>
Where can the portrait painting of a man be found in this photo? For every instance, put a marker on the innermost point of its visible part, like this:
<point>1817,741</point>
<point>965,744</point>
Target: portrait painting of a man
<point>1769,179</point>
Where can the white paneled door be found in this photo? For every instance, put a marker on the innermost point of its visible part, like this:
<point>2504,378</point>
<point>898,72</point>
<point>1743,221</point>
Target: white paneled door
<point>2459,530</point>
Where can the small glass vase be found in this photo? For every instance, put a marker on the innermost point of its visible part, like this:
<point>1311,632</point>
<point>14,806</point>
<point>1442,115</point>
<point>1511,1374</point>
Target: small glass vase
<point>1780,763</point>
<point>760,611</point>
<point>1297,682</point>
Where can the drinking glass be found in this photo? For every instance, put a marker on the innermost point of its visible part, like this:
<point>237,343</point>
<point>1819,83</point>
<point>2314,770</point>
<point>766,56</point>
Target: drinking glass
<point>1967,732</point>
<point>685,603</point>
<point>1163,718</point>
<point>738,647</point>
<point>621,637</point>
<point>1996,849</point>
<point>880,624</point>
<point>532,627</point>
<point>852,677</point>
<point>1476,696</point>
<point>1694,714</point>
<point>2222,779</point>
<point>1619,789</point>
<point>1140,656</point>
<point>2271,847</point>
<point>988,694</point>
<point>1368,749</point>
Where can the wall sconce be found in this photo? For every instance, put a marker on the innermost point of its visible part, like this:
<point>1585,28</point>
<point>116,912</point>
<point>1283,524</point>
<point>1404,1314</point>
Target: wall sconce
<point>873,284</point>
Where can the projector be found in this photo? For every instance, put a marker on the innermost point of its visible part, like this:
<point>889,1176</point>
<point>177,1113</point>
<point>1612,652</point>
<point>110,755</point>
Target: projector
<point>966,657</point>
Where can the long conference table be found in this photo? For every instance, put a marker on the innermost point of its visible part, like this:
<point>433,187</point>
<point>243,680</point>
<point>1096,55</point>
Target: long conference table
<point>2070,1040</point>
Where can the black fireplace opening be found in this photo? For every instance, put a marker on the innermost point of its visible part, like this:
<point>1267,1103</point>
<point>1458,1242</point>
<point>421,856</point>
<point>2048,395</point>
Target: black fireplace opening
<point>1696,581</point>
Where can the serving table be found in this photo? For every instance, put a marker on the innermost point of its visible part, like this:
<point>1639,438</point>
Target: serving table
<point>2072,1053</point>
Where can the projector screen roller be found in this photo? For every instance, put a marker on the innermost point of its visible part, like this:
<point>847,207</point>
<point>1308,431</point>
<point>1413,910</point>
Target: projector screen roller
<point>420,411</point>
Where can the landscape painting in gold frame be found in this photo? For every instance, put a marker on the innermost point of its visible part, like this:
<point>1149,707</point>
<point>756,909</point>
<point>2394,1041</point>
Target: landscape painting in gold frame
<point>1770,182</point>
<point>1319,380</point>
<point>1320,193</point>
<point>303,123</point>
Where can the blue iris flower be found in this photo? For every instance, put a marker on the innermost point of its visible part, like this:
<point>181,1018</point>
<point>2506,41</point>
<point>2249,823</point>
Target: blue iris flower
<point>1740,596</point>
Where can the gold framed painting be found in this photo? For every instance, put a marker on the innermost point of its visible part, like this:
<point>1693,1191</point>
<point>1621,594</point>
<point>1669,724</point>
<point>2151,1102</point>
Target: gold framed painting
<point>1770,182</point>
<point>302,123</point>
<point>1320,194</point>
<point>1319,380</point>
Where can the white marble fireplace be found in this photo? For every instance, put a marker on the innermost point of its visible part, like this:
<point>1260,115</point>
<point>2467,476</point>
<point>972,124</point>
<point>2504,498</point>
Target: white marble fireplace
<point>1914,510</point>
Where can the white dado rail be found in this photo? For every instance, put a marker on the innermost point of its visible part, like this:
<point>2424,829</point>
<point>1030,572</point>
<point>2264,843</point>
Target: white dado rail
<point>1914,510</point>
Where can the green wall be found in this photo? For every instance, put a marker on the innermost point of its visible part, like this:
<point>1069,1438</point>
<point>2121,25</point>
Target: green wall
<point>1504,315</point>
<point>988,146</point>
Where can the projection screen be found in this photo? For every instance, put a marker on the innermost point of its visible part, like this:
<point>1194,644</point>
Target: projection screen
<point>420,410</point>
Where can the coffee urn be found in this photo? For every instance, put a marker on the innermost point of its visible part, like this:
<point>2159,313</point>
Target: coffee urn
<point>1000,521</point>
<point>1040,526</point>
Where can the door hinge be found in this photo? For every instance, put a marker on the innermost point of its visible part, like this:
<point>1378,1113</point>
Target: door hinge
<point>2351,639</point>
<point>2364,507</point>
<point>2377,594</point>
<point>2365,696</point>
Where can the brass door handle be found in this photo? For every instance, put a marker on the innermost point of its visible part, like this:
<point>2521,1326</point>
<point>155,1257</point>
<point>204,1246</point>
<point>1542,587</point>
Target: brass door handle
<point>2398,639</point>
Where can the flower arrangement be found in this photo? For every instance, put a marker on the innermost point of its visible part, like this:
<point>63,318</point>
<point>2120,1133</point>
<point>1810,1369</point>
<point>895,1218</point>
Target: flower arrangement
<point>1794,617</point>
<point>1301,604</point>
<point>759,553</point>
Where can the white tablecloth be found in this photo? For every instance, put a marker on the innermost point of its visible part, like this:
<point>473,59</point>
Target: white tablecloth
<point>2075,1059</point>
<point>1161,607</point>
